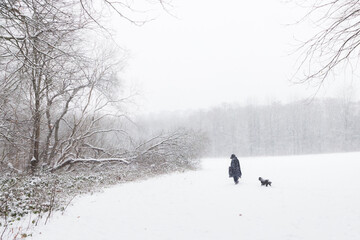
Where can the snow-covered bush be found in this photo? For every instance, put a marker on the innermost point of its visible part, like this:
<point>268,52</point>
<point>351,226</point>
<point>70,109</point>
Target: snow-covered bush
<point>35,197</point>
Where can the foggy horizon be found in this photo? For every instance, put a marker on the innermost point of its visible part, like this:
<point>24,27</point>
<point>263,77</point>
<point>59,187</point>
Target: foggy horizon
<point>228,55</point>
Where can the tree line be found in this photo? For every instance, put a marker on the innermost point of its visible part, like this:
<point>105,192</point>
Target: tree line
<point>322,126</point>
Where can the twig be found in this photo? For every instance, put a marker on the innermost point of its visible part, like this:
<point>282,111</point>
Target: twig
<point>68,204</point>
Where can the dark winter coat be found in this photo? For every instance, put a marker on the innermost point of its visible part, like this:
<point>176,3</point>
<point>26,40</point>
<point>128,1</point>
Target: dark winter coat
<point>235,168</point>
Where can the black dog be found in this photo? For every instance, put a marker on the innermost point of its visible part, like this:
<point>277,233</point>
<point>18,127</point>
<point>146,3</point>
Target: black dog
<point>265,182</point>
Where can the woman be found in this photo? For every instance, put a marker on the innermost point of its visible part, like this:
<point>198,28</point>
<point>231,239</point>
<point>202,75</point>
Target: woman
<point>234,169</point>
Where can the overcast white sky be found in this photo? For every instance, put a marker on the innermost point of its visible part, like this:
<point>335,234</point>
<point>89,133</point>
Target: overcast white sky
<point>215,52</point>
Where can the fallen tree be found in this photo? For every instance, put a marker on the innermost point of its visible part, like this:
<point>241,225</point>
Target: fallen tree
<point>181,146</point>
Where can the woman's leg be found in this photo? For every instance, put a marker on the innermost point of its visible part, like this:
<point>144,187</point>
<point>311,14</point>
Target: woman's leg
<point>236,179</point>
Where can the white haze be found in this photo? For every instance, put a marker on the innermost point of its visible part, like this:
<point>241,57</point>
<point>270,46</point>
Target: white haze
<point>216,52</point>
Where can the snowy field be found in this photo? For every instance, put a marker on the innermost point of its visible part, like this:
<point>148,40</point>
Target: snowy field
<point>312,197</point>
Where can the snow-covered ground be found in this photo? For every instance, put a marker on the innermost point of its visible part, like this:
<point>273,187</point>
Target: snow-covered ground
<point>312,197</point>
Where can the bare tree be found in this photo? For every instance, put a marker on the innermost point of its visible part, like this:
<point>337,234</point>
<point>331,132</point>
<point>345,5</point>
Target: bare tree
<point>47,71</point>
<point>41,59</point>
<point>57,95</point>
<point>336,42</point>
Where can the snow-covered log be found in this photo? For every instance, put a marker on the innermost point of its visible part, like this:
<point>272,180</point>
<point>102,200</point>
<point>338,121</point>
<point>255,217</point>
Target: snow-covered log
<point>92,160</point>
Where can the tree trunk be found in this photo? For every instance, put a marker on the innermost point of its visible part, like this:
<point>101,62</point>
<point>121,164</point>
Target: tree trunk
<point>35,141</point>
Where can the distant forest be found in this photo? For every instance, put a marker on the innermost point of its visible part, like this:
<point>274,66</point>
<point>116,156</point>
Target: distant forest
<point>321,126</point>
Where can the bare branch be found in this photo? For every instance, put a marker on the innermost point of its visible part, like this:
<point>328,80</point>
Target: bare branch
<point>334,45</point>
